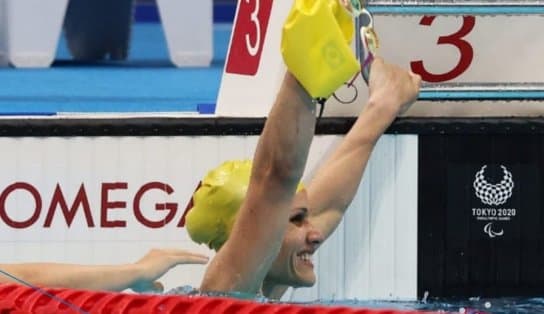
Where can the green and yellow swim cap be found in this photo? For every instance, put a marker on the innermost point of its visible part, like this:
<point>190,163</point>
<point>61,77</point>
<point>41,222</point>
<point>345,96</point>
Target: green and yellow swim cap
<point>216,201</point>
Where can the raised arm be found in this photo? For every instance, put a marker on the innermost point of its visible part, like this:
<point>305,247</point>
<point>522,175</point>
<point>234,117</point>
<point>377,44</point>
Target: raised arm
<point>139,276</point>
<point>330,192</point>
<point>279,161</point>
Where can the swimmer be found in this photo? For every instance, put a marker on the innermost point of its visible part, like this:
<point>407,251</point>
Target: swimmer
<point>140,276</point>
<point>270,239</point>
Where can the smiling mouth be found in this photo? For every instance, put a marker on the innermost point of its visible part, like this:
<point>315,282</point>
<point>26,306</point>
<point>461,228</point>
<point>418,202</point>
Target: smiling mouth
<point>306,258</point>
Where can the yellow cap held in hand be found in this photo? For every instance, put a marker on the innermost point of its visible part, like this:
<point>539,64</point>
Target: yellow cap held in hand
<point>316,45</point>
<point>216,202</point>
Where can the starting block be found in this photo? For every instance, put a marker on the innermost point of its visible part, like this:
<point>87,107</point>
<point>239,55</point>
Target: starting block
<point>188,29</point>
<point>30,31</point>
<point>33,30</point>
<point>98,29</point>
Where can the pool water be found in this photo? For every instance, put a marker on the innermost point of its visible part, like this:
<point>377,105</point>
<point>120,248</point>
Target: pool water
<point>475,305</point>
<point>467,306</point>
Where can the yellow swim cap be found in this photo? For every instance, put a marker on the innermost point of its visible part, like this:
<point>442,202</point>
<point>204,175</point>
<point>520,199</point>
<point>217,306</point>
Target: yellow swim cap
<point>315,45</point>
<point>214,205</point>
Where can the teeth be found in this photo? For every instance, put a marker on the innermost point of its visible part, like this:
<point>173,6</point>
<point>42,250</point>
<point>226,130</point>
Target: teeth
<point>306,257</point>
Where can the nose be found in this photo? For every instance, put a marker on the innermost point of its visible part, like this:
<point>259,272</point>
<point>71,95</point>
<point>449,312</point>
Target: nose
<point>314,237</point>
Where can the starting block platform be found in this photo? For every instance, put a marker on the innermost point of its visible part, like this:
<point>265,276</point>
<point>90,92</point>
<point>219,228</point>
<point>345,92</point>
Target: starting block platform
<point>30,29</point>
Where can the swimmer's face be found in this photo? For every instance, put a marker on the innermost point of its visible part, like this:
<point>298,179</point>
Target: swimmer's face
<point>294,264</point>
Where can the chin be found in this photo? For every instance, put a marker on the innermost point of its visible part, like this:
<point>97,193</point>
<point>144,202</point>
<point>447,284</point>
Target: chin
<point>305,282</point>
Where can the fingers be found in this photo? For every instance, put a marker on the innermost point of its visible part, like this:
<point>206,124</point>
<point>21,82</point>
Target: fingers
<point>416,78</point>
<point>378,64</point>
<point>346,4</point>
<point>185,257</point>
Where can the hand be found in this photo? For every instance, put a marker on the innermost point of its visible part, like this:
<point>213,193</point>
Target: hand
<point>346,4</point>
<point>391,88</point>
<point>157,262</point>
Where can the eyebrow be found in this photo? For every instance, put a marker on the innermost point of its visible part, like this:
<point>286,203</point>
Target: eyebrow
<point>303,209</point>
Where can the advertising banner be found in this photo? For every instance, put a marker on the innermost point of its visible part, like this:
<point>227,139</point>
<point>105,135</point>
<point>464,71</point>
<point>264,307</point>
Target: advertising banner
<point>109,200</point>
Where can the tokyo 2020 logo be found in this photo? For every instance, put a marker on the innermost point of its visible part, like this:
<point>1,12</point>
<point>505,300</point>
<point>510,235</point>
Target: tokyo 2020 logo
<point>493,194</point>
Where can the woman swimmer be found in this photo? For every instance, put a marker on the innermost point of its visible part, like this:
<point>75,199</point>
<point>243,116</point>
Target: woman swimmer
<point>267,244</point>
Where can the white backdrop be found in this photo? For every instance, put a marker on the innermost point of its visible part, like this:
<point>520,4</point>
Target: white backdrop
<point>3,34</point>
<point>372,255</point>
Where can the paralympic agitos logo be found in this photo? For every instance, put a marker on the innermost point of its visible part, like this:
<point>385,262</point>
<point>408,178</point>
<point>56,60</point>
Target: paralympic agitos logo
<point>114,199</point>
<point>493,195</point>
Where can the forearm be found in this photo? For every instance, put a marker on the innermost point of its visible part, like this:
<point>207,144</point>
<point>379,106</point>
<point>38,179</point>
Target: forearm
<point>337,181</point>
<point>351,157</point>
<point>392,90</point>
<point>285,141</point>
<point>112,278</point>
<point>363,135</point>
<point>373,121</point>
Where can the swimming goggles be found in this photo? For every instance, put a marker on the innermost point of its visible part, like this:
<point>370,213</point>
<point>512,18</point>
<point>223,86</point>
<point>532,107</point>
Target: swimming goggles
<point>368,46</point>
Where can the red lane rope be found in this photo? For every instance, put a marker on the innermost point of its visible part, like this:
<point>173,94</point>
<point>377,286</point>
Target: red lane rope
<point>18,299</point>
